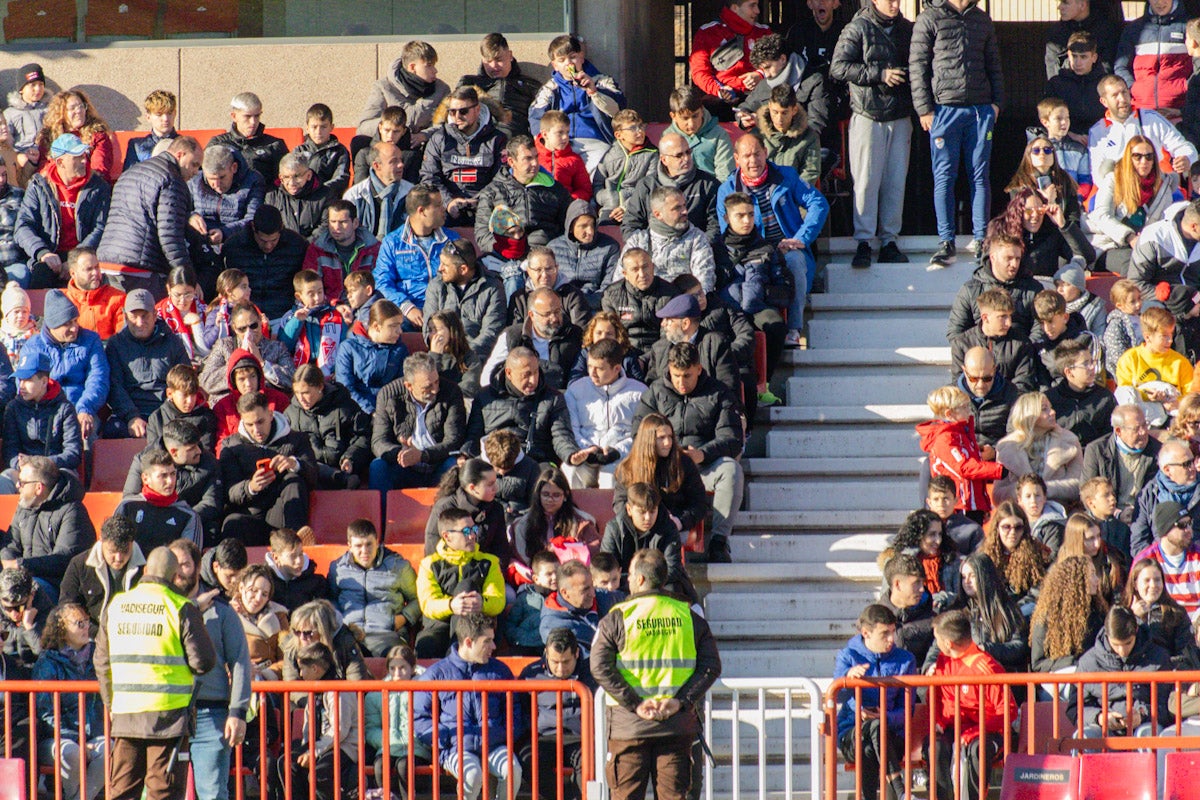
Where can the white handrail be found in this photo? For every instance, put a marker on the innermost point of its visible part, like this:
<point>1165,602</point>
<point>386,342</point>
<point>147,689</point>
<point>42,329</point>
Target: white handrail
<point>747,704</point>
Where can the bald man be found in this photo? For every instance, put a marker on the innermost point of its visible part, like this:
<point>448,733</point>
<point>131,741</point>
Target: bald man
<point>379,199</point>
<point>1127,457</point>
<point>992,397</point>
<point>676,167</point>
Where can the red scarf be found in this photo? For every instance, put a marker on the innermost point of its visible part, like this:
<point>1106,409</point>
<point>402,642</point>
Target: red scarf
<point>159,500</point>
<point>1146,186</point>
<point>511,249</point>
<point>759,181</point>
<point>173,316</point>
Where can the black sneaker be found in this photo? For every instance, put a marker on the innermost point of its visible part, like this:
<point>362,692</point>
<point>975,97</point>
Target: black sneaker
<point>890,254</point>
<point>718,552</point>
<point>946,255</point>
<point>862,256</point>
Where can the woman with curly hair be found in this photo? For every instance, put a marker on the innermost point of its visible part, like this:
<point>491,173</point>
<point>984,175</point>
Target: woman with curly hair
<point>67,656</point>
<point>1040,174</point>
<point>552,523</point>
<point>1163,617</point>
<point>997,625</point>
<point>1049,237</point>
<point>607,325</point>
<point>1185,425</point>
<point>72,112</point>
<point>656,459</point>
<point>1069,614</point>
<point>1037,443</point>
<point>1135,194</point>
<point>1020,559</point>
<point>1082,537</point>
<point>924,536</point>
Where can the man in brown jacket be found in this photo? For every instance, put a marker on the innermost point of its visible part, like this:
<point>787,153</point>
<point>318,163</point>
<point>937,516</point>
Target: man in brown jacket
<point>152,641</point>
<point>656,658</point>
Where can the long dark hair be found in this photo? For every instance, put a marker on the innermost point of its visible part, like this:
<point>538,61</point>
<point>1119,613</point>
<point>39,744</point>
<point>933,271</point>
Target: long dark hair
<point>993,605</point>
<point>472,471</point>
<point>564,521</point>
<point>913,531</point>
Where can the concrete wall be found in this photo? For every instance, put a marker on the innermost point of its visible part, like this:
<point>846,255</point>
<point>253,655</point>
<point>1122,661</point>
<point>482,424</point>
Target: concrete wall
<point>288,76</point>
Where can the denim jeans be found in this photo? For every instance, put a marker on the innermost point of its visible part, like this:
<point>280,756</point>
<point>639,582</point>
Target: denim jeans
<point>211,754</point>
<point>961,134</point>
<point>384,476</point>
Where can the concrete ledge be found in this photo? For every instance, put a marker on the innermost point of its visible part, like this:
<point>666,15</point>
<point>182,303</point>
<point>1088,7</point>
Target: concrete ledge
<point>906,415</point>
<point>812,520</point>
<point>854,358</point>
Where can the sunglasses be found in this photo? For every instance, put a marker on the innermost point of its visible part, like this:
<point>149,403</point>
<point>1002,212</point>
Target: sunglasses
<point>461,112</point>
<point>307,633</point>
<point>1142,156</point>
<point>1042,151</point>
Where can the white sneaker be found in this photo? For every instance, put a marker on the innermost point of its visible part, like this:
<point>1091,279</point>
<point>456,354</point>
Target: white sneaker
<point>793,338</point>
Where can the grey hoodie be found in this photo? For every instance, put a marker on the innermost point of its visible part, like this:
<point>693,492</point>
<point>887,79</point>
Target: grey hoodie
<point>229,682</point>
<point>24,120</point>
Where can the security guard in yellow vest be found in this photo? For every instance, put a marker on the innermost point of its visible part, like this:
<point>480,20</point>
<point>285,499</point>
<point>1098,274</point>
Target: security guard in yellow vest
<point>151,644</point>
<point>656,659</point>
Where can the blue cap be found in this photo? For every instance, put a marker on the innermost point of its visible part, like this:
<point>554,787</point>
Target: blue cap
<point>68,144</point>
<point>32,362</point>
<point>680,306</point>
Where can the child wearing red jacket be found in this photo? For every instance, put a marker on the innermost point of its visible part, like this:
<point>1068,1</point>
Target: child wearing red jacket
<point>953,450</point>
<point>555,154</point>
<point>962,658</point>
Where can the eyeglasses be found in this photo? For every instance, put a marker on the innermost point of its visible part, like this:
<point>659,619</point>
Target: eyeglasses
<point>553,495</point>
<point>979,378</point>
<point>1188,465</point>
<point>1086,365</point>
<point>307,633</point>
<point>1011,526</point>
<point>680,154</point>
<point>1041,151</point>
<point>81,624</point>
<point>242,328</point>
<point>461,112</point>
<point>471,531</point>
<point>1142,156</point>
<point>21,483</point>
<point>633,128</point>
<point>17,608</point>
<point>1186,522</point>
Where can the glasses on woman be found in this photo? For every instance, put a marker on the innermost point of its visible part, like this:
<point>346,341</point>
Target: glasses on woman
<point>1041,151</point>
<point>1142,156</point>
<point>305,633</point>
<point>1010,527</point>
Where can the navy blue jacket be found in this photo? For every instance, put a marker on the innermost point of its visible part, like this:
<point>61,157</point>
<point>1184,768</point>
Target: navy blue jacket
<point>454,668</point>
<point>147,228</point>
<point>47,427</point>
<point>879,665</point>
<point>138,370</point>
<point>39,221</point>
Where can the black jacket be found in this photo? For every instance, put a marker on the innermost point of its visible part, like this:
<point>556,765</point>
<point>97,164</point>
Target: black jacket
<point>270,274</point>
<point>1045,249</point>
<point>954,59</point>
<point>1082,96</point>
<point>138,370</point>
<point>87,581</point>
<point>1087,414</point>
<point>262,151</point>
<point>516,93</point>
<point>992,410</point>
<point>541,420</point>
<point>707,419</point>
<point>1100,458</point>
<point>716,357</point>
<point>148,217</point>
<point>291,593</point>
<point>303,212</point>
<point>575,305</point>
<point>201,416</point>
<point>699,194</point>
<point>240,457</point>
<point>44,539</point>
<point>811,93</point>
<point>541,205</point>
<point>637,309</point>
<point>864,50</point>
<point>622,540</point>
<point>493,537</point>
<point>396,417</point>
<point>1145,657</point>
<point>336,428</point>
<point>965,315</point>
<point>914,625</point>
<point>199,485</point>
<point>1015,357</point>
<point>461,166</point>
<point>736,326</point>
<point>689,503</point>
<point>565,347</point>
<point>1102,25</point>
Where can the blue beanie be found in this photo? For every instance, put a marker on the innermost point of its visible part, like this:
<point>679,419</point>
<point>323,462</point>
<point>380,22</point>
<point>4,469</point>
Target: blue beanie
<point>59,309</point>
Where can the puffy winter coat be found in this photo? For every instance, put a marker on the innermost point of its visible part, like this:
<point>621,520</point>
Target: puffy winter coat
<point>448,724</point>
<point>141,148</point>
<point>540,420</point>
<point>39,222</point>
<point>480,305</point>
<point>304,211</point>
<point>270,274</point>
<point>395,418</point>
<point>55,665</point>
<point>808,83</point>
<point>364,367</point>
<point>335,427</point>
<point>1087,414</point>
<point>706,419</point>
<point>954,452</point>
<point>391,91</point>
<point>403,270</point>
<point>514,92</point>
<point>637,308</point>
<point>587,266</point>
<point>322,258</point>
<point>567,167</point>
<point>558,613</point>
<point>896,661</point>
<point>1109,220</point>
<point>721,52</point>
<point>261,150</point>
<point>798,147</point>
<point>699,194</point>
<point>716,357</point>
<point>688,253</point>
<point>461,165</point>
<point>1152,58</point>
<point>541,204</point>
<point>10,207</point>
<point>1146,656</point>
<point>365,595</point>
<point>79,367</point>
<point>44,539</point>
<point>864,50</point>
<point>746,267</point>
<point>25,120</point>
<point>1162,254</point>
<point>47,427</point>
<point>603,415</point>
<point>330,163</point>
<point>231,211</point>
<point>1062,466</point>
<point>240,455</point>
<point>138,370</point>
<point>150,209</point>
<point>618,172</point>
<point>992,410</point>
<point>588,119</point>
<point>454,566</point>
<point>954,58</point>
<point>622,540</point>
<point>964,314</point>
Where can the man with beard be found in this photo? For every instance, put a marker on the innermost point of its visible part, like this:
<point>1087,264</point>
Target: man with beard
<point>157,512</point>
<point>543,330</point>
<point>676,168</point>
<point>676,246</point>
<point>463,154</point>
<point>500,77</point>
<point>681,323</point>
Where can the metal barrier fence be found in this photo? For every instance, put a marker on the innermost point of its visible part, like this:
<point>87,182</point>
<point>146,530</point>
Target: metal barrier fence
<point>1025,725</point>
<point>768,727</point>
<point>286,727</point>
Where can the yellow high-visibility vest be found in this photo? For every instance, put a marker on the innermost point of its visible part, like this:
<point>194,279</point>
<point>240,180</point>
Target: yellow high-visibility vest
<point>145,645</point>
<point>660,646</point>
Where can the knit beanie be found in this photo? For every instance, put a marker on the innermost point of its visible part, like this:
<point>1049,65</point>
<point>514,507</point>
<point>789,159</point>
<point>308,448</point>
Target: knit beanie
<point>59,309</point>
<point>13,297</point>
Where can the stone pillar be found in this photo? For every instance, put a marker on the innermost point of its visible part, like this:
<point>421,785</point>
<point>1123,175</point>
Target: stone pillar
<point>634,41</point>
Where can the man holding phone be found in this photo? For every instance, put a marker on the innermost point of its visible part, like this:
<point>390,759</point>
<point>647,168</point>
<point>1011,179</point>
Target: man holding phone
<point>269,470</point>
<point>872,56</point>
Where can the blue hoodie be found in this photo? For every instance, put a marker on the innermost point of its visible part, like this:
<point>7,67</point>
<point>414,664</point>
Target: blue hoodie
<point>454,668</point>
<point>587,121</point>
<point>80,367</point>
<point>364,367</point>
<point>879,665</point>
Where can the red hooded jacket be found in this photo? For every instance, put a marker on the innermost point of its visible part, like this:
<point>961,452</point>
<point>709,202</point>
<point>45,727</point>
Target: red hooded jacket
<point>226,408</point>
<point>567,167</point>
<point>954,452</point>
<point>992,698</point>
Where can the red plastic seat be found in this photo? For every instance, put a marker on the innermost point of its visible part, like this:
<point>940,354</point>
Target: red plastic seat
<point>1118,776</point>
<point>192,16</point>
<point>257,555</point>
<point>110,463</point>
<point>13,779</point>
<point>1044,736</point>
<point>100,506</point>
<point>1182,776</point>
<point>414,341</point>
<point>597,502</point>
<point>37,301</point>
<point>204,135</point>
<point>1040,777</point>
<point>323,555</point>
<point>407,513</point>
<point>40,19</point>
<point>1101,284</point>
<point>329,512</point>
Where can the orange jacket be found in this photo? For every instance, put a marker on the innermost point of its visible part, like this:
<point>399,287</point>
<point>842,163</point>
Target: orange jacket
<point>101,310</point>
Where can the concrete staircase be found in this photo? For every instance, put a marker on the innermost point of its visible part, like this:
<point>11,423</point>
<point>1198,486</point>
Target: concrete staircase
<point>832,473</point>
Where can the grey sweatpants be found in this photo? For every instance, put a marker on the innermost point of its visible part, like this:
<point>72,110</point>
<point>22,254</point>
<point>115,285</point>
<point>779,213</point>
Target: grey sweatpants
<point>879,165</point>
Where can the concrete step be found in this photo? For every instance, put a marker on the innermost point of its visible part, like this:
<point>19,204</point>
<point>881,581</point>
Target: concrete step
<point>844,521</point>
<point>873,414</point>
<point>917,329</point>
<point>897,278</point>
<point>755,662</point>
<point>848,441</point>
<point>909,387</point>
<point>756,606</point>
<point>831,466</point>
<point>884,493</point>
<point>773,577</point>
<point>797,630</point>
<point>910,245</point>
<point>881,305</point>
<point>857,358</point>
<point>786,548</point>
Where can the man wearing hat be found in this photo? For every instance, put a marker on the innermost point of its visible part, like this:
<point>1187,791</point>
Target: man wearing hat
<point>1071,283</point>
<point>1175,481</point>
<point>65,206</point>
<point>139,358</point>
<point>77,359</point>
<point>1176,553</point>
<point>270,255</point>
<point>40,421</point>
<point>681,323</point>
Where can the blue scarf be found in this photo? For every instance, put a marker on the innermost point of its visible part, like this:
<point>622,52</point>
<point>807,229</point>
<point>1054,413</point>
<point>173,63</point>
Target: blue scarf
<point>1170,490</point>
<point>1126,449</point>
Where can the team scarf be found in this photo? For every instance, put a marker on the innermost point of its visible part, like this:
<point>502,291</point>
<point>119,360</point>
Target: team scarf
<point>329,322</point>
<point>173,316</point>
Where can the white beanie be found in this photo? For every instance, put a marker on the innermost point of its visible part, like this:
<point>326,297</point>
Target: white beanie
<point>13,297</point>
